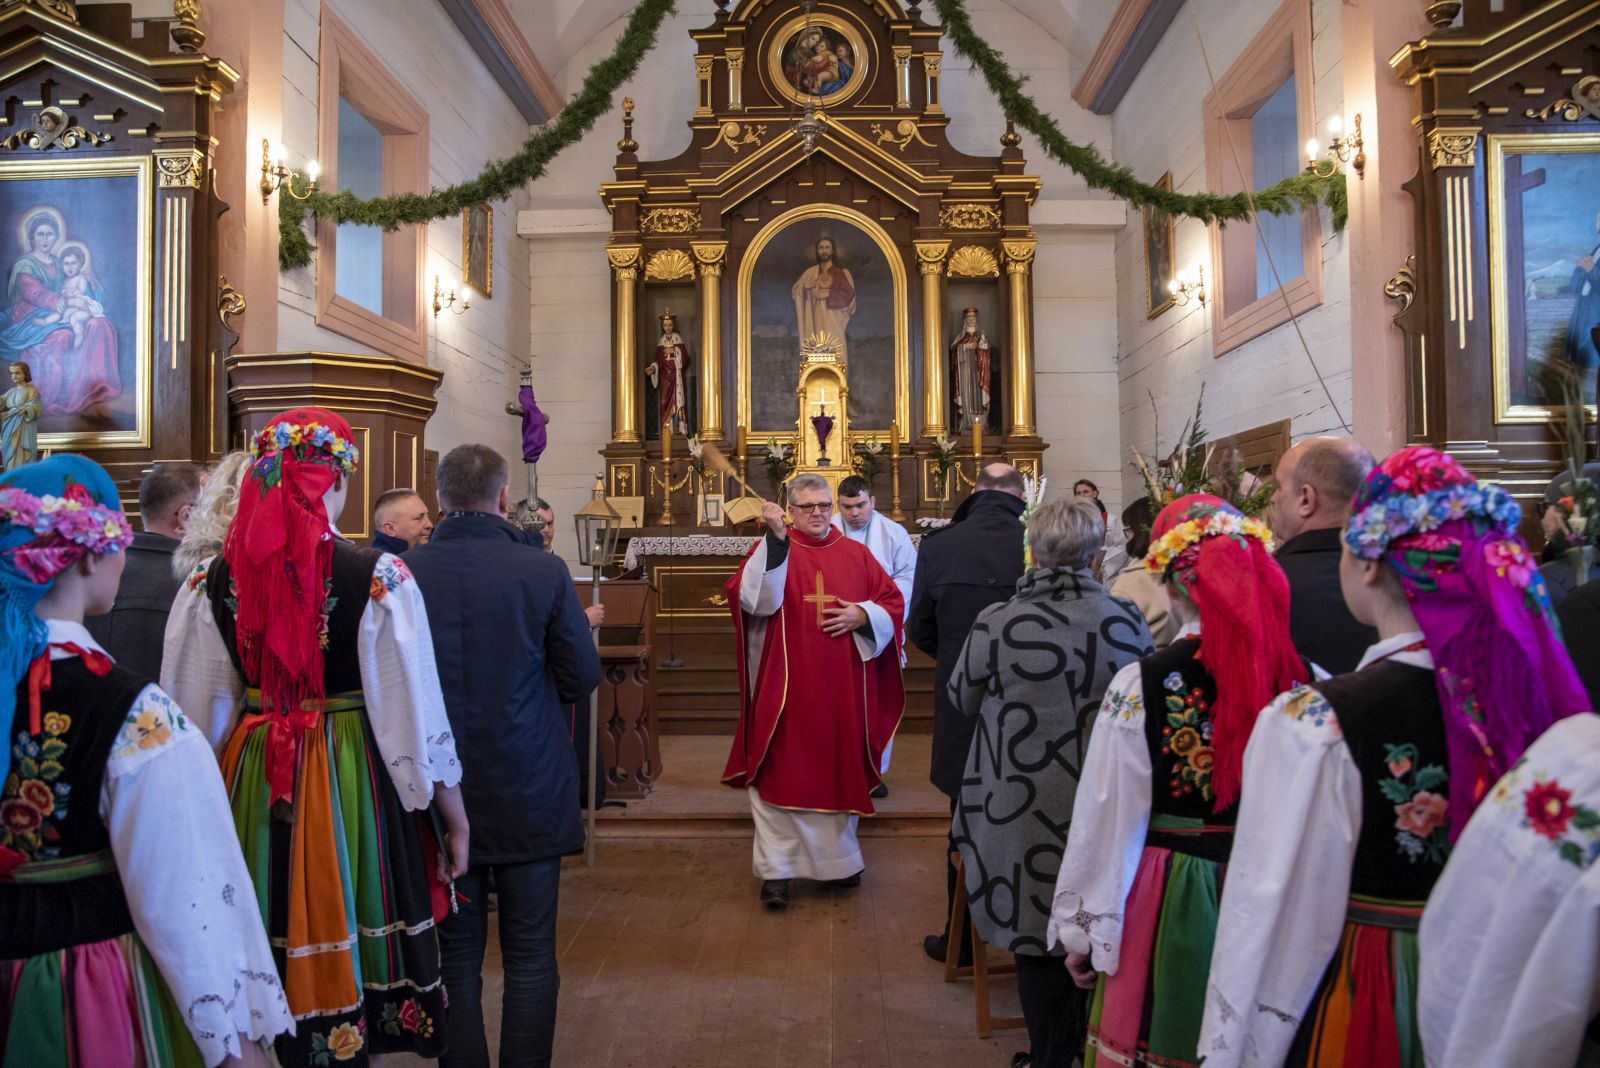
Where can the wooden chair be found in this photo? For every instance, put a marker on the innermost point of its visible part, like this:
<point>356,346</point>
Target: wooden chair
<point>981,967</point>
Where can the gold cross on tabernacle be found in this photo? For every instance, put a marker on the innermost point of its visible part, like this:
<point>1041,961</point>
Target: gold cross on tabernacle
<point>819,598</point>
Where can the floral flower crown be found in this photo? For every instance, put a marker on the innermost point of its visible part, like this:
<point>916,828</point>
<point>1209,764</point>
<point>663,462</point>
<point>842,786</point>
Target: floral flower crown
<point>305,440</point>
<point>1166,551</point>
<point>1391,513</point>
<point>74,517</point>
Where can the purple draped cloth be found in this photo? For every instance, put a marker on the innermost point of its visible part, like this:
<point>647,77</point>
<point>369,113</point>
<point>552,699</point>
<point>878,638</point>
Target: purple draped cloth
<point>534,436</point>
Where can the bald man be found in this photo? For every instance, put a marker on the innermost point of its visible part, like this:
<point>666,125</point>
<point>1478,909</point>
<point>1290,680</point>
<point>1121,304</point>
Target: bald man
<point>1316,481</point>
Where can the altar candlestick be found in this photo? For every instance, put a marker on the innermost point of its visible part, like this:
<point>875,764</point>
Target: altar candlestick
<point>977,441</point>
<point>741,440</point>
<point>894,441</point>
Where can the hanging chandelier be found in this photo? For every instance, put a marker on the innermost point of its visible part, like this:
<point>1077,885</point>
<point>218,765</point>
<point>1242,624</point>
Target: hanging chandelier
<point>808,126</point>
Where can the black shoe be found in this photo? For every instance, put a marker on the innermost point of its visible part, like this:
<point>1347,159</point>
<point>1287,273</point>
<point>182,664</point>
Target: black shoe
<point>846,883</point>
<point>936,946</point>
<point>775,893</point>
<point>1022,1060</point>
<point>881,790</point>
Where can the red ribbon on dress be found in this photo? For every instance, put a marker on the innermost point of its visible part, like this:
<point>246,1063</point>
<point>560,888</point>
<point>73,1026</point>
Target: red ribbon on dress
<point>98,663</point>
<point>285,731</point>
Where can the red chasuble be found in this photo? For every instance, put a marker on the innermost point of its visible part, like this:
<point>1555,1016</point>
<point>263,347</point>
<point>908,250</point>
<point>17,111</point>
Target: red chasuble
<point>814,721</point>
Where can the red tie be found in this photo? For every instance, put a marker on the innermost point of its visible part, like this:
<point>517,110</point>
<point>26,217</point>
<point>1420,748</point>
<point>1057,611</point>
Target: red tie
<point>97,662</point>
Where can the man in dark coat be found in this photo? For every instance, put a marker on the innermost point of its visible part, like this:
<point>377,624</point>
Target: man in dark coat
<point>961,570</point>
<point>1316,481</point>
<point>514,651</point>
<point>1580,627</point>
<point>132,631</point>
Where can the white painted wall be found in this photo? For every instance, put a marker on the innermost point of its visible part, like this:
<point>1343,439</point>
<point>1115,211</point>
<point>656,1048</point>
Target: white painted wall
<point>470,122</point>
<point>1075,286</point>
<point>1158,128</point>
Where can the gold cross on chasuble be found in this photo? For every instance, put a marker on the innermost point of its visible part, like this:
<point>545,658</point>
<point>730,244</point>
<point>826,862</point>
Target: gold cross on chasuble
<point>819,598</point>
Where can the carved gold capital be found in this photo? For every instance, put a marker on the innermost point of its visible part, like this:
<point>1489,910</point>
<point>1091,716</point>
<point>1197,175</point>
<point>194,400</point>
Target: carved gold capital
<point>933,61</point>
<point>180,168</point>
<point>931,254</point>
<point>624,261</point>
<point>735,57</point>
<point>702,66</point>
<point>1019,255</point>
<point>710,255</point>
<point>1453,146</point>
<point>902,54</point>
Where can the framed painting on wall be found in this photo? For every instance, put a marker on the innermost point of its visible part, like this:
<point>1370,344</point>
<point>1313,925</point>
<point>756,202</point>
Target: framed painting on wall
<point>78,291</point>
<point>1544,267</point>
<point>1158,255</point>
<point>477,249</point>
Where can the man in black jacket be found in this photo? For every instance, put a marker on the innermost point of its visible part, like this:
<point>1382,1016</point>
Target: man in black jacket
<point>961,570</point>
<point>513,651</point>
<point>132,632</point>
<point>1316,481</point>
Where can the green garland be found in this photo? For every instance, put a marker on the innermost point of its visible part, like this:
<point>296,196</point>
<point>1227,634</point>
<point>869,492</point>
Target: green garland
<point>1287,197</point>
<point>499,179</point>
<point>503,177</point>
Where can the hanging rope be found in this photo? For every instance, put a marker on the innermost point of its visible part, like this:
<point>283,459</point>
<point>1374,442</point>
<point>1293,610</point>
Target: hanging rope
<point>1272,264</point>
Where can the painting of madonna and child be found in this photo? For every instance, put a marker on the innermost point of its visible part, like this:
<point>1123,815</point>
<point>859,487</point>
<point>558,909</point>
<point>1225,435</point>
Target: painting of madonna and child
<point>72,293</point>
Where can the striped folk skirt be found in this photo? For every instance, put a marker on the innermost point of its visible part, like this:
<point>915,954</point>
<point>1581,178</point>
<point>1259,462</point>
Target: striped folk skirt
<point>345,880</point>
<point>1365,1011</point>
<point>86,1006</point>
<point>1150,1011</point>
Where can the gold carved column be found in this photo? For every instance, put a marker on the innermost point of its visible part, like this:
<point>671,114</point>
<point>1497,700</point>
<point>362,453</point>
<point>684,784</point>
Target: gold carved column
<point>930,258</point>
<point>625,358</point>
<point>710,256</point>
<point>1019,264</point>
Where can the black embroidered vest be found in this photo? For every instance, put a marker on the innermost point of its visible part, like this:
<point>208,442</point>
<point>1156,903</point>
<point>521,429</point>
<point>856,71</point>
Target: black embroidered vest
<point>50,810</point>
<point>349,588</point>
<point>1178,693</point>
<point>1393,726</point>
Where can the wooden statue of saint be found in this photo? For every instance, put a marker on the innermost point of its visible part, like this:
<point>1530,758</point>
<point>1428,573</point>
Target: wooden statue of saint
<point>972,362</point>
<point>669,375</point>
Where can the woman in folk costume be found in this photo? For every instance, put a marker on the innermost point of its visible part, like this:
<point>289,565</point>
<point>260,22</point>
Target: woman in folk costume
<point>1136,895</point>
<point>334,752</point>
<point>1355,788</point>
<point>127,936</point>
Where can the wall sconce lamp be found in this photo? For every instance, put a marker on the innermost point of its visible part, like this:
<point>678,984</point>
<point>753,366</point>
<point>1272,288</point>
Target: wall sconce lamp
<point>457,302</point>
<point>1184,289</point>
<point>1340,150</point>
<point>275,174</point>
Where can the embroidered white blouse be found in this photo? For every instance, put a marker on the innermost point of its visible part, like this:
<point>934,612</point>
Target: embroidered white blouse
<point>1510,940</point>
<point>1288,886</point>
<point>399,678</point>
<point>1110,816</point>
<point>184,879</point>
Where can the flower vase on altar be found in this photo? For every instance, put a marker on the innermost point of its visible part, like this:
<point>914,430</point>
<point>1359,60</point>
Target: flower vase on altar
<point>822,424</point>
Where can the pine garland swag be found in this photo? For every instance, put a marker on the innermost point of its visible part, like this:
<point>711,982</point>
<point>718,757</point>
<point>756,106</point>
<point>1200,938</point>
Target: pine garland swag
<point>503,177</point>
<point>1293,194</point>
<point>499,179</point>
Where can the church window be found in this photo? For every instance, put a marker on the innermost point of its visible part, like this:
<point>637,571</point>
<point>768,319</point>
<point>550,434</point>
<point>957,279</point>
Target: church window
<point>1256,119</point>
<point>373,141</point>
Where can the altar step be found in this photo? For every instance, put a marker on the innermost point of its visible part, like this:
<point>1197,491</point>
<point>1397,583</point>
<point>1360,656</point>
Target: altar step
<point>690,802</point>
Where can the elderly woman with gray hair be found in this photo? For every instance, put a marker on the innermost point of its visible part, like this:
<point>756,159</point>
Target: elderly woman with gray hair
<point>1033,671</point>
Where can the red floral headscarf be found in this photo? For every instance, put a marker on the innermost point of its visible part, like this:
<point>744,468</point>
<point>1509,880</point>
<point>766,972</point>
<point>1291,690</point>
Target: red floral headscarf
<point>1223,562</point>
<point>279,550</point>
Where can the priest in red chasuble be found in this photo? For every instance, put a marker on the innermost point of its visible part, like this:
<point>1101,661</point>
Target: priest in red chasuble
<point>820,692</point>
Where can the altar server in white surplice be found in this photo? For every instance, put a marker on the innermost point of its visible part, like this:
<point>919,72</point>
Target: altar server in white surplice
<point>859,520</point>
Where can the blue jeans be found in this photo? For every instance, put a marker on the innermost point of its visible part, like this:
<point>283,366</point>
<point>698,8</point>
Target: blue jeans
<point>527,909</point>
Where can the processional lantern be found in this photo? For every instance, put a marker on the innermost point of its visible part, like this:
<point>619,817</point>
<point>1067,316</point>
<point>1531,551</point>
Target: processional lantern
<point>598,525</point>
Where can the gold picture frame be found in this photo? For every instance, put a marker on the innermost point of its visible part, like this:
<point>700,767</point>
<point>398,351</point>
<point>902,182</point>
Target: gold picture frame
<point>477,249</point>
<point>113,199</point>
<point>837,31</point>
<point>899,312</point>
<point>1510,406</point>
<point>1160,237</point>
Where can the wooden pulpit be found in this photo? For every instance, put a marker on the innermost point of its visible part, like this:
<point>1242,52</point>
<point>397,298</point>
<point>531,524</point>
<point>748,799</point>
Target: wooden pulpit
<point>630,738</point>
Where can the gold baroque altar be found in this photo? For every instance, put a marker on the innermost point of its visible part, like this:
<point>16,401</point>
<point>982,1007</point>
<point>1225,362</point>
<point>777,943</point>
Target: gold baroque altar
<point>879,280</point>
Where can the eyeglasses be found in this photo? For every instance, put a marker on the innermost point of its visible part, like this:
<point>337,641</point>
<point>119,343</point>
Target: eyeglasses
<point>825,506</point>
